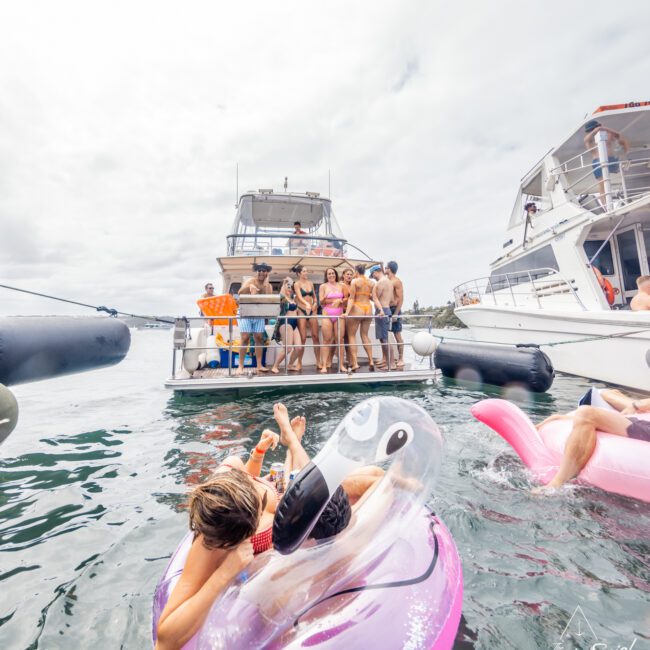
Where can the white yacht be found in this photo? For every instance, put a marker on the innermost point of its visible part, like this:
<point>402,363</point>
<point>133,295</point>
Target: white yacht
<point>567,273</point>
<point>263,232</point>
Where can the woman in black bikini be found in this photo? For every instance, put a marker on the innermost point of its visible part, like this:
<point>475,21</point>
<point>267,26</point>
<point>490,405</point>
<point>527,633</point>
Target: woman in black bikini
<point>305,297</point>
<point>286,331</point>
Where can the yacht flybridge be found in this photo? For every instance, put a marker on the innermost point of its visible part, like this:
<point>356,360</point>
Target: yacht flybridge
<point>206,349</point>
<point>568,270</point>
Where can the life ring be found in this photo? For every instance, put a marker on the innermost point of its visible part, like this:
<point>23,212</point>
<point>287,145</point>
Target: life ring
<point>394,552</point>
<point>606,286</point>
<point>618,464</point>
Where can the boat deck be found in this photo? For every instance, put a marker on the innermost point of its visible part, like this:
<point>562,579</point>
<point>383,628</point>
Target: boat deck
<point>218,379</point>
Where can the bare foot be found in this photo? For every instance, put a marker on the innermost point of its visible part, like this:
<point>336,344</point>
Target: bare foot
<point>274,370</point>
<point>323,370</point>
<point>262,369</point>
<point>294,369</point>
<point>400,364</point>
<point>281,416</point>
<point>299,424</point>
<point>239,372</point>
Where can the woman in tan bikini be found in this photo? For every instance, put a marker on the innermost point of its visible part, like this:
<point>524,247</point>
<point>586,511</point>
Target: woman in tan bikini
<point>358,315</point>
<point>307,307</point>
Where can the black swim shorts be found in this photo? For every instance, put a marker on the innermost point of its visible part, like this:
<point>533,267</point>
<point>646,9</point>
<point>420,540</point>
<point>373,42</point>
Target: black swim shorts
<point>639,429</point>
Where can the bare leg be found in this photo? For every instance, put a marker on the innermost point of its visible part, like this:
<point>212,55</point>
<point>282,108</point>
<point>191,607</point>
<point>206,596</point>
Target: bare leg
<point>286,338</point>
<point>582,440</point>
<point>352,327</point>
<point>365,339</point>
<point>288,436</point>
<point>400,349</point>
<point>328,340</point>
<point>245,340</point>
<point>313,328</point>
<point>259,351</point>
<point>302,329</point>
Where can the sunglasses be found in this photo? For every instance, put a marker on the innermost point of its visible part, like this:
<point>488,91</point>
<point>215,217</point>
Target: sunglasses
<point>210,288</point>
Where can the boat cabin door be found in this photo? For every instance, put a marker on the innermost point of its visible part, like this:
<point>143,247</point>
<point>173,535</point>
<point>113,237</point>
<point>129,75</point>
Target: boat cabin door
<point>633,246</point>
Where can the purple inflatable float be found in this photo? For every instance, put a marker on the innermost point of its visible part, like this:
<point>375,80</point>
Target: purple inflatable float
<point>391,579</point>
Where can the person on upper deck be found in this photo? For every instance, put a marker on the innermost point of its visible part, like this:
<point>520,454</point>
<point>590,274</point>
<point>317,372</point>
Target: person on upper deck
<point>297,245</point>
<point>615,141</point>
<point>641,302</point>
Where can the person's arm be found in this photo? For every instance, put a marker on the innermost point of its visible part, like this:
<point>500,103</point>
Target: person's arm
<point>206,575</point>
<point>245,288</point>
<point>268,439</point>
<point>399,296</point>
<point>321,294</point>
<point>300,300</point>
<point>620,401</point>
<point>375,300</point>
<point>268,288</point>
<point>351,298</point>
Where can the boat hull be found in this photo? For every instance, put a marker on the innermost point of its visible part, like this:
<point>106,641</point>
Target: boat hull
<point>616,349</point>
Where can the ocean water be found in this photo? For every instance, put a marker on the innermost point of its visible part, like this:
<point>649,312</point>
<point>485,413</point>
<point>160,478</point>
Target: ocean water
<point>93,480</point>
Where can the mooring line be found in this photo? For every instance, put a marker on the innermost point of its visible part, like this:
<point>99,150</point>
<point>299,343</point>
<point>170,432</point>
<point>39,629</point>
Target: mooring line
<point>108,310</point>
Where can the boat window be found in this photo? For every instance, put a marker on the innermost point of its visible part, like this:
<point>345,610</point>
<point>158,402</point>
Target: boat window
<point>646,240</point>
<point>234,288</point>
<point>518,270</point>
<point>532,192</point>
<point>603,261</point>
<point>629,256</point>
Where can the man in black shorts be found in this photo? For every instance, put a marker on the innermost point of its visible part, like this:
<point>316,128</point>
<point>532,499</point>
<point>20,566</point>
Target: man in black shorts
<point>616,417</point>
<point>396,310</point>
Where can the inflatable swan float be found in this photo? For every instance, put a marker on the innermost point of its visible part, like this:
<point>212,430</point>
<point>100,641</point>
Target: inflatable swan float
<point>618,464</point>
<point>391,579</point>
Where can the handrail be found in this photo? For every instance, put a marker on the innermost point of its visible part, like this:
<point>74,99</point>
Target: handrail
<point>186,322</point>
<point>271,243</point>
<point>544,282</point>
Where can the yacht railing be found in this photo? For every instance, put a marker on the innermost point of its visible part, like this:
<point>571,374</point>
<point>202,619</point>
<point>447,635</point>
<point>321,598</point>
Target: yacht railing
<point>517,289</point>
<point>623,181</point>
<point>183,334</point>
<point>292,244</point>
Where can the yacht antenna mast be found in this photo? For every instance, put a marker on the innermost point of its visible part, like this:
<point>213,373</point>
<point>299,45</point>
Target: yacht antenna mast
<point>286,182</point>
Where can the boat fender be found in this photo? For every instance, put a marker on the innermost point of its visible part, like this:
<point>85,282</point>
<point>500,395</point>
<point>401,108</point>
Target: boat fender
<point>8,412</point>
<point>496,364</point>
<point>40,347</point>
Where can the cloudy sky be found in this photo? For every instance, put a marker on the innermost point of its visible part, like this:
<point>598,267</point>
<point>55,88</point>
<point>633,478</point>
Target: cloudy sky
<point>121,124</point>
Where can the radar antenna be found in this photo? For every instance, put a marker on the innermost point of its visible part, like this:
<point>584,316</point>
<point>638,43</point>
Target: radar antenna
<point>286,182</point>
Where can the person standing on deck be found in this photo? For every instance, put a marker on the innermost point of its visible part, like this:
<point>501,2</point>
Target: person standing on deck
<point>382,295</point>
<point>258,285</point>
<point>396,310</point>
<point>209,293</point>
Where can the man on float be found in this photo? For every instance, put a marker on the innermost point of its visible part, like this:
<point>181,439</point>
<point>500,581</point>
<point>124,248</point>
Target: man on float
<point>618,420</point>
<point>641,302</point>
<point>258,285</point>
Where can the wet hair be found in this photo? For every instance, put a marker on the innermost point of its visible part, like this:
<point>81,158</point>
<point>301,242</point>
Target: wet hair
<point>334,518</point>
<point>297,269</point>
<point>336,274</point>
<point>262,267</point>
<point>360,269</point>
<point>225,510</point>
<point>641,279</point>
<point>392,266</point>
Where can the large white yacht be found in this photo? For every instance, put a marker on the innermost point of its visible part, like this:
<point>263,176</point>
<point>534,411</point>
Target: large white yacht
<point>264,232</point>
<point>567,273</point>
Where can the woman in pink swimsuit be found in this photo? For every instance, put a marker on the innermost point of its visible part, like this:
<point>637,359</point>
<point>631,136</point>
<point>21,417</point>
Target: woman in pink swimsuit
<point>332,297</point>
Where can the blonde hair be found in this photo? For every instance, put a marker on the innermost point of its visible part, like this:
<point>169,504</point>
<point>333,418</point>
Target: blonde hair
<point>641,279</point>
<point>226,509</point>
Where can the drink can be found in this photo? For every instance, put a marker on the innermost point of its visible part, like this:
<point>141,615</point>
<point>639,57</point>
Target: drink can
<point>277,476</point>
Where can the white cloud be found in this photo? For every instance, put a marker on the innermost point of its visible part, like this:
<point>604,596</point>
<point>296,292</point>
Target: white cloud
<point>120,126</point>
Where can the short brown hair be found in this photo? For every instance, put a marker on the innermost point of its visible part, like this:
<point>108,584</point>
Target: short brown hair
<point>225,509</point>
<point>641,279</point>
